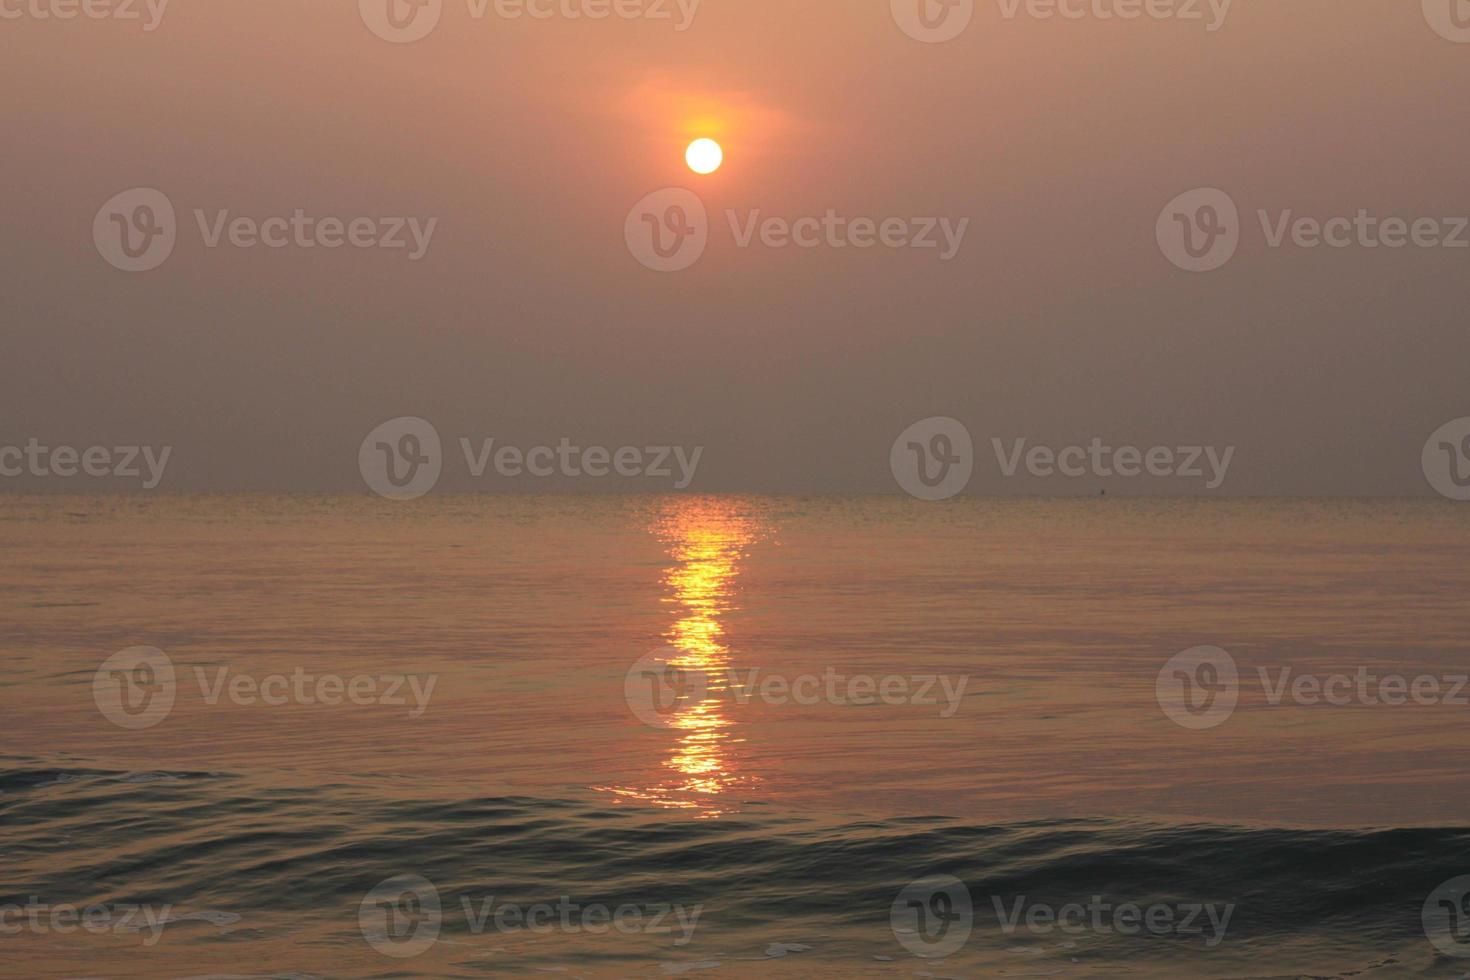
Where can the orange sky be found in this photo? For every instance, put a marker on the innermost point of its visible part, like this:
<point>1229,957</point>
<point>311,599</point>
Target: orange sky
<point>530,139</point>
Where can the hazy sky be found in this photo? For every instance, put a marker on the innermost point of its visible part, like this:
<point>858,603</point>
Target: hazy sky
<point>528,319</point>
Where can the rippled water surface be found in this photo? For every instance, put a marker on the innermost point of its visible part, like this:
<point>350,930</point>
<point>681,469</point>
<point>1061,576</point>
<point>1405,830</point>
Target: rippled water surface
<point>626,702</point>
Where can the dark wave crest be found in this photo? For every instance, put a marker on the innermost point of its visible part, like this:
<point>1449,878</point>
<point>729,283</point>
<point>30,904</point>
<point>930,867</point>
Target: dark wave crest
<point>1304,902</point>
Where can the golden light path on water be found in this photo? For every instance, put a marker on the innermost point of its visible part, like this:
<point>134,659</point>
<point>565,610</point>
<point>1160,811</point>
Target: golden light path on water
<point>705,539</point>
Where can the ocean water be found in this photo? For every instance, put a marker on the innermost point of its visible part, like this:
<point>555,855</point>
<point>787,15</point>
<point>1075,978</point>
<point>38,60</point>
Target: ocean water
<point>731,736</point>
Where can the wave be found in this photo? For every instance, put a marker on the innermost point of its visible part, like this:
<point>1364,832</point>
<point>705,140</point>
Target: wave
<point>1333,902</point>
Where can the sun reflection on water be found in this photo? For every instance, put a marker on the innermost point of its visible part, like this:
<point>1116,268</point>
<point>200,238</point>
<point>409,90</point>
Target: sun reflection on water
<point>706,539</point>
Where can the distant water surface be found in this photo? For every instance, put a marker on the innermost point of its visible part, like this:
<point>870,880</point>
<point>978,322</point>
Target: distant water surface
<point>528,775</point>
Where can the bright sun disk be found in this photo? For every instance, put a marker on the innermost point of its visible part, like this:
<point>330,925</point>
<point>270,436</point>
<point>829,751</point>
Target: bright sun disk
<point>704,156</point>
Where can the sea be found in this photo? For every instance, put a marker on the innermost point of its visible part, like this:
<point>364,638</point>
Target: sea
<point>731,736</point>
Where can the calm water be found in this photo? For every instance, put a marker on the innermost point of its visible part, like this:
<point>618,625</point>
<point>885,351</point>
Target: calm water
<point>780,711</point>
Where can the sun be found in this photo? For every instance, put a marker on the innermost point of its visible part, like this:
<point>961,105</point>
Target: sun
<point>704,156</point>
